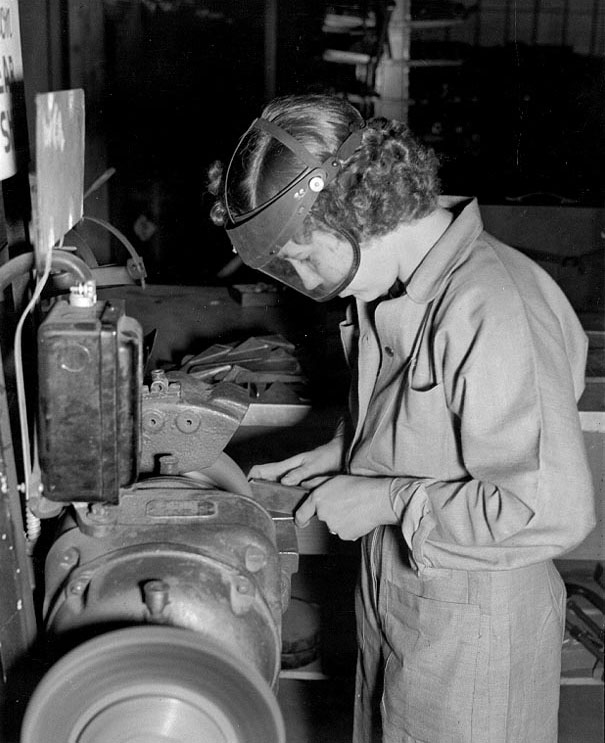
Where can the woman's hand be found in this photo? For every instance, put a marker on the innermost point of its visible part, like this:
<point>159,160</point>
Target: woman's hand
<point>325,459</point>
<point>350,506</point>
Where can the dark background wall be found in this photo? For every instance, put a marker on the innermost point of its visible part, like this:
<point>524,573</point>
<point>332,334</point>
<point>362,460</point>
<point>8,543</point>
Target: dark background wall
<point>171,84</point>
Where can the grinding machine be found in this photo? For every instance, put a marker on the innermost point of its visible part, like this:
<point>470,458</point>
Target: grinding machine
<point>167,574</point>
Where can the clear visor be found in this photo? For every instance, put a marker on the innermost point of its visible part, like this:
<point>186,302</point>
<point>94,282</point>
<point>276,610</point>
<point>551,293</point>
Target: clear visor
<point>259,235</point>
<point>320,269</point>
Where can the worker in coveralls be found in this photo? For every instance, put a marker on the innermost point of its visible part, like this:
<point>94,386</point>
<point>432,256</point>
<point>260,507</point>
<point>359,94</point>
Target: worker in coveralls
<point>463,465</point>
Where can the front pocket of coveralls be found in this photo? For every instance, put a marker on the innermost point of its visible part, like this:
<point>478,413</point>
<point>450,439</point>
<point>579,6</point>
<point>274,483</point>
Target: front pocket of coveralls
<point>413,432</point>
<point>430,675</point>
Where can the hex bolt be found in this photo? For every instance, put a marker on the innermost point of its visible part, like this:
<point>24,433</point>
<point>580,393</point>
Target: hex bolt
<point>156,593</point>
<point>255,558</point>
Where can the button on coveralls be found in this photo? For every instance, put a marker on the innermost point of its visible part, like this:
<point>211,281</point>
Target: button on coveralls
<point>465,393</point>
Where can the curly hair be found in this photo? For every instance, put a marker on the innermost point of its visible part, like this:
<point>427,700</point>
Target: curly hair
<point>390,179</point>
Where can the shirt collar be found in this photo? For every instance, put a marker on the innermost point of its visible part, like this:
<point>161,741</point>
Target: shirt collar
<point>448,252</point>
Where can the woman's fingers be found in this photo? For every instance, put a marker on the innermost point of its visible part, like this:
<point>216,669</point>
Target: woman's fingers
<point>274,470</point>
<point>296,476</point>
<point>308,508</point>
<point>300,467</point>
<point>315,482</point>
<point>305,512</point>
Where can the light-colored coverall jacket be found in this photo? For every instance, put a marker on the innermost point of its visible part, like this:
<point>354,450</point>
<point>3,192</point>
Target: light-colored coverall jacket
<point>465,393</point>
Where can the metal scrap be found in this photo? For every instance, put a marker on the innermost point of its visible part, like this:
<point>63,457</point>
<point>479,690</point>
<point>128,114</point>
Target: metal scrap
<point>266,366</point>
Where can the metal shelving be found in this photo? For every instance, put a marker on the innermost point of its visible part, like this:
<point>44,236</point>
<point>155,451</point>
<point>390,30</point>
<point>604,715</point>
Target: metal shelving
<point>393,74</point>
<point>356,36</point>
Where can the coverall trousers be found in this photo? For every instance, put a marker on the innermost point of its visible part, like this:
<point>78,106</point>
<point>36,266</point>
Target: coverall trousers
<point>456,656</point>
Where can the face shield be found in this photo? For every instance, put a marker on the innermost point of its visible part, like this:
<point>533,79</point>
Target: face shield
<point>264,236</point>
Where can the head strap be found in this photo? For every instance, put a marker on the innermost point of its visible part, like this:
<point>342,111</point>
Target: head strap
<point>288,140</point>
<point>344,152</point>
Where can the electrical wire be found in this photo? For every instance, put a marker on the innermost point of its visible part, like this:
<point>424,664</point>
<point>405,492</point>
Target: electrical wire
<point>100,181</point>
<point>30,471</point>
<point>137,262</point>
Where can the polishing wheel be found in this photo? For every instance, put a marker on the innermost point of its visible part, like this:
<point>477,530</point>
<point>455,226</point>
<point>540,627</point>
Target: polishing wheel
<point>152,685</point>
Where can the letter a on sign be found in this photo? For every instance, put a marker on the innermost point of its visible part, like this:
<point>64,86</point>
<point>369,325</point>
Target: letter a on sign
<point>59,181</point>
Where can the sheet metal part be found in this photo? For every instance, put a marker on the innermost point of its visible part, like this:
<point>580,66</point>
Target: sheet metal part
<point>267,367</point>
<point>274,496</point>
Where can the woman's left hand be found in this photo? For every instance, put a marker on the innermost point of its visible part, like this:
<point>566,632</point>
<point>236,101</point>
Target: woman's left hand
<point>350,506</point>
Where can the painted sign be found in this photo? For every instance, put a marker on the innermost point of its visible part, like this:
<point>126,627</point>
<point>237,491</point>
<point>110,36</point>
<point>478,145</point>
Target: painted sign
<point>11,83</point>
<point>59,173</point>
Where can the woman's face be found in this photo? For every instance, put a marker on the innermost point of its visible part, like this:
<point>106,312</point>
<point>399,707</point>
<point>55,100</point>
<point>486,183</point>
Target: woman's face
<point>321,264</point>
<point>327,260</point>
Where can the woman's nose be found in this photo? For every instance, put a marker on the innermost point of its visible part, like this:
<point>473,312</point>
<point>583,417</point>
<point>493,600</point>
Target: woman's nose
<point>307,275</point>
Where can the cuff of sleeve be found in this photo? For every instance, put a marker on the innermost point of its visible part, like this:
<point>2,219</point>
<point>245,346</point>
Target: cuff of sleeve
<point>410,503</point>
<point>401,491</point>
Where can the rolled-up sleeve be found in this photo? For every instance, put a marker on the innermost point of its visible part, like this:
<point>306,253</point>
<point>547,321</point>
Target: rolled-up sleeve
<point>509,387</point>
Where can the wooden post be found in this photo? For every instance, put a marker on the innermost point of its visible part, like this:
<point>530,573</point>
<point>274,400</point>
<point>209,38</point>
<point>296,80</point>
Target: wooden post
<point>392,76</point>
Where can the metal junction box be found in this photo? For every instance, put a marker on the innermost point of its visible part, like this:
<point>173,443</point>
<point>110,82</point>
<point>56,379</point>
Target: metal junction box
<point>90,376</point>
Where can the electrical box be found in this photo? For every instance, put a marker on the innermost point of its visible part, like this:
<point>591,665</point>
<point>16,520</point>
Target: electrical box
<point>90,376</point>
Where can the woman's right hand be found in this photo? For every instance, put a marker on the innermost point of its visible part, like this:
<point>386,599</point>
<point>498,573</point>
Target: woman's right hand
<point>324,460</point>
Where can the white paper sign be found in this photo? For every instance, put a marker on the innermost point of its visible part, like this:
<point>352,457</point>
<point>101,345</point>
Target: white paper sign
<point>11,74</point>
<point>59,166</point>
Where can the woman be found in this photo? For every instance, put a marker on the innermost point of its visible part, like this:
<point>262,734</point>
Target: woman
<point>462,465</point>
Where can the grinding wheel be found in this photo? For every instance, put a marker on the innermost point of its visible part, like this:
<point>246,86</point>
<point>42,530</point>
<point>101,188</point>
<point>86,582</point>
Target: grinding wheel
<point>225,474</point>
<point>152,685</point>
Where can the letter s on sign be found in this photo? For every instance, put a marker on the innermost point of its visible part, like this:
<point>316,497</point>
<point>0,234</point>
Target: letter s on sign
<point>5,129</point>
